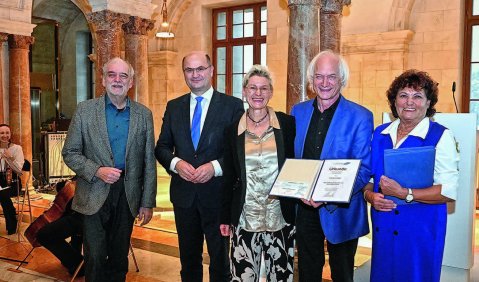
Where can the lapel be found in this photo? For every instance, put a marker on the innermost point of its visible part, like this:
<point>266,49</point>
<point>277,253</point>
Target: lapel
<point>132,126</point>
<point>278,136</point>
<point>215,104</point>
<point>102,130</point>
<point>302,127</point>
<point>240,147</point>
<point>334,127</point>
<point>184,119</point>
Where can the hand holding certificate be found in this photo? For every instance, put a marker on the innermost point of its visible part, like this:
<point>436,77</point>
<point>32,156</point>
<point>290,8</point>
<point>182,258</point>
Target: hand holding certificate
<point>321,181</point>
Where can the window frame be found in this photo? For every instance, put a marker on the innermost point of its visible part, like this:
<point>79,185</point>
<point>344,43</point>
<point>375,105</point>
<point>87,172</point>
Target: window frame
<point>469,22</point>
<point>229,42</point>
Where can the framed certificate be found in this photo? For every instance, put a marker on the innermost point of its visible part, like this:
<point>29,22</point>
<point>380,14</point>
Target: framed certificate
<point>336,181</point>
<point>320,180</point>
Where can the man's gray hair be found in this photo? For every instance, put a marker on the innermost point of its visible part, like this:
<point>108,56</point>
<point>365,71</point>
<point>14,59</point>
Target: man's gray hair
<point>131,71</point>
<point>343,68</point>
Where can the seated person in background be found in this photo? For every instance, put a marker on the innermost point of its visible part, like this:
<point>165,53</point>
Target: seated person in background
<point>11,160</point>
<point>52,236</point>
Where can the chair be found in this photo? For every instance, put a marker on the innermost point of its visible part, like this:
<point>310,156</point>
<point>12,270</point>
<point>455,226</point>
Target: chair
<point>21,209</point>
<point>83,262</point>
<point>25,197</point>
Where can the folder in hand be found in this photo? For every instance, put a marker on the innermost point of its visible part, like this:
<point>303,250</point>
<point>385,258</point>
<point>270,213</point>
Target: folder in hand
<point>410,167</point>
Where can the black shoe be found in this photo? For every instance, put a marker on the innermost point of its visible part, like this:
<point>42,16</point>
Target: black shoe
<point>11,224</point>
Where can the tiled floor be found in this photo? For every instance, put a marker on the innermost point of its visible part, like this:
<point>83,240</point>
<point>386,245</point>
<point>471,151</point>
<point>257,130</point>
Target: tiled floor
<point>155,248</point>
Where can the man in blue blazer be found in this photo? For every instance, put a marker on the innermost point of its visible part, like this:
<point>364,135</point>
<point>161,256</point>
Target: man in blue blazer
<point>331,127</point>
<point>190,148</point>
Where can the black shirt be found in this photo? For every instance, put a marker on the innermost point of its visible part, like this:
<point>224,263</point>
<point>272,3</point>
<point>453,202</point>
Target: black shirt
<point>318,128</point>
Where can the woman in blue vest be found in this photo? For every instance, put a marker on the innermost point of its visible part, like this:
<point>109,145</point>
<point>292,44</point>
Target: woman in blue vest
<point>409,224</point>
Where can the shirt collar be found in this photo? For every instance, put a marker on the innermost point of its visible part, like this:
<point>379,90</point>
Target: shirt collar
<point>331,109</point>
<point>420,130</point>
<point>109,103</point>
<point>207,95</point>
<point>273,121</point>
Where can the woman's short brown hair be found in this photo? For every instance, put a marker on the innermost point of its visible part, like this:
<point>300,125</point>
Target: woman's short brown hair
<point>416,80</point>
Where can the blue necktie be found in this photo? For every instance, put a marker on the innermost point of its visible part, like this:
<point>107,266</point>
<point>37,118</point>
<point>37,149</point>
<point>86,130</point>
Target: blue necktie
<point>196,123</point>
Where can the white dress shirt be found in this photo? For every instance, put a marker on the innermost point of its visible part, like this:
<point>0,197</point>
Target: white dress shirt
<point>205,104</point>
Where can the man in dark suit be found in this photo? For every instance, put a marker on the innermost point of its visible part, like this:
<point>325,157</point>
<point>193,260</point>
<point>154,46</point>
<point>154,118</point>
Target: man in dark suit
<point>190,148</point>
<point>110,146</point>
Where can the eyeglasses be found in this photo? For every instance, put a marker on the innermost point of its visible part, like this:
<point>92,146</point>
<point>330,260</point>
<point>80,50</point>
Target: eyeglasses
<point>331,78</point>
<point>263,89</point>
<point>199,70</point>
<point>113,75</point>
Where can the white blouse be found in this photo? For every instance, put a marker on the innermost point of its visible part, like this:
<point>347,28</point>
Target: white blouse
<point>17,163</point>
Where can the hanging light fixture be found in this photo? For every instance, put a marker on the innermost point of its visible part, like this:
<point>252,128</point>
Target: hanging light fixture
<point>164,31</point>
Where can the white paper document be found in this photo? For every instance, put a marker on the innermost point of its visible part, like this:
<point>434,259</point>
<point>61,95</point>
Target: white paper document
<point>336,181</point>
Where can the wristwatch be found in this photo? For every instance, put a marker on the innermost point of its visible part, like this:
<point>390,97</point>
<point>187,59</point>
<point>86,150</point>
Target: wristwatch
<point>410,196</point>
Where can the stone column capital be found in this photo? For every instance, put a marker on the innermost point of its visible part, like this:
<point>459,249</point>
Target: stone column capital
<point>334,6</point>
<point>139,26</point>
<point>16,41</point>
<point>3,37</point>
<point>304,2</point>
<point>106,20</point>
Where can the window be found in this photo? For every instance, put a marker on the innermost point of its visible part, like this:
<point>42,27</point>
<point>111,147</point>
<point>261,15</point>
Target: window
<point>471,58</point>
<point>239,41</point>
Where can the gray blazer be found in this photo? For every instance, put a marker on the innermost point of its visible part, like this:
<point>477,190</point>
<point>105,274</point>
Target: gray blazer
<point>87,148</point>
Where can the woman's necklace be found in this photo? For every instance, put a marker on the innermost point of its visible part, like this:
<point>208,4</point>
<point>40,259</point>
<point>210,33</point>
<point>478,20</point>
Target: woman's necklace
<point>256,123</point>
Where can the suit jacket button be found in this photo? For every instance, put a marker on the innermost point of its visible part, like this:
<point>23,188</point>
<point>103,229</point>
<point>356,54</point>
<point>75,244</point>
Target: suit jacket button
<point>196,156</point>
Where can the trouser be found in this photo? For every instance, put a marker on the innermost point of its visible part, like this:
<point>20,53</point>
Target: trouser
<point>106,237</point>
<point>311,258</point>
<point>9,211</point>
<point>52,236</point>
<point>276,247</point>
<point>193,225</point>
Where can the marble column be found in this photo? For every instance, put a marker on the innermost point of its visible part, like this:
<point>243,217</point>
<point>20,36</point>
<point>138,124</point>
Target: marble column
<point>303,46</point>
<point>136,53</point>
<point>3,38</point>
<point>19,92</point>
<point>107,40</point>
<point>330,24</point>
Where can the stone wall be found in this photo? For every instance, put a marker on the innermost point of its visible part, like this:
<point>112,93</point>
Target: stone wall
<point>436,46</point>
<point>379,41</point>
<point>374,60</point>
